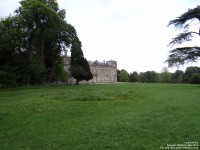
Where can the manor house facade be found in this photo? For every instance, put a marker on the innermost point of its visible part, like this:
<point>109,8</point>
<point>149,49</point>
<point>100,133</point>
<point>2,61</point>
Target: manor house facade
<point>103,72</point>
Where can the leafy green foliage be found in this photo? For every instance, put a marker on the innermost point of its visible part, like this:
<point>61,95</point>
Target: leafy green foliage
<point>12,56</point>
<point>182,55</point>
<point>151,76</point>
<point>60,74</point>
<point>183,21</point>
<point>7,79</point>
<point>177,76</point>
<point>32,42</point>
<point>79,68</point>
<point>195,79</point>
<point>187,76</point>
<point>148,77</point>
<point>123,76</point>
<point>165,76</point>
<point>133,77</point>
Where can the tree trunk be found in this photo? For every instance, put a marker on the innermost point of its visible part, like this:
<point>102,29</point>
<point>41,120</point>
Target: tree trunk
<point>77,82</point>
<point>52,72</point>
<point>30,59</point>
<point>42,51</point>
<point>30,52</point>
<point>54,64</point>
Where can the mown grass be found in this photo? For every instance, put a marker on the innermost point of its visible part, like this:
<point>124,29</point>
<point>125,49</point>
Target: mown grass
<point>91,117</point>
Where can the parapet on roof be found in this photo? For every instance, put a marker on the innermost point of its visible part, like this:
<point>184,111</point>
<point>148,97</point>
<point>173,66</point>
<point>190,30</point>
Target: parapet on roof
<point>107,64</point>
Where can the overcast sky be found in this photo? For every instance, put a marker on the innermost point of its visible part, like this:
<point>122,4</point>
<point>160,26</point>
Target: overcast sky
<point>132,32</point>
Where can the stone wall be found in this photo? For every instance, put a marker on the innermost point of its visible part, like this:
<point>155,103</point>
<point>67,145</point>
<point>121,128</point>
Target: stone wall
<point>103,72</point>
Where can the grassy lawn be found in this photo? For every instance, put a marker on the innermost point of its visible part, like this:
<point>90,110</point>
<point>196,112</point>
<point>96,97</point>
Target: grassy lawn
<point>92,117</point>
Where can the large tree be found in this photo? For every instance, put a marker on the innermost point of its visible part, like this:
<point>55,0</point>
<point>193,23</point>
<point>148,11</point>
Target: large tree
<point>12,64</point>
<point>177,76</point>
<point>133,77</point>
<point>46,34</point>
<point>189,72</point>
<point>123,76</point>
<point>32,42</point>
<point>147,77</point>
<point>165,75</point>
<point>182,55</point>
<point>79,66</point>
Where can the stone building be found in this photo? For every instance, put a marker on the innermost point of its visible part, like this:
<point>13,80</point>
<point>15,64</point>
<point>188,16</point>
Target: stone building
<point>103,72</point>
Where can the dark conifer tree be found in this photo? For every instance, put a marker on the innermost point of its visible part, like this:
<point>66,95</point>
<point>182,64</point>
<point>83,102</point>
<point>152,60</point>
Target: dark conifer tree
<point>182,55</point>
<point>80,68</point>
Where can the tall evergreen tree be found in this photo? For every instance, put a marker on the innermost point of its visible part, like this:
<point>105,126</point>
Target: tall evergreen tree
<point>80,68</point>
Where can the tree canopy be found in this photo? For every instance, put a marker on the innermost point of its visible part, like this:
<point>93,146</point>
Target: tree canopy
<point>182,55</point>
<point>133,77</point>
<point>32,42</point>
<point>123,76</point>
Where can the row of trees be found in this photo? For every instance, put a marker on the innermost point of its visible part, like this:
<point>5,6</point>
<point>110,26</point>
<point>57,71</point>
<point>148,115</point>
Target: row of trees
<point>191,75</point>
<point>33,40</point>
<point>32,43</point>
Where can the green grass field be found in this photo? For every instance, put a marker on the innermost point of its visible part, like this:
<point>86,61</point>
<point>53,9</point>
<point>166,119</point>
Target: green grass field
<point>104,116</point>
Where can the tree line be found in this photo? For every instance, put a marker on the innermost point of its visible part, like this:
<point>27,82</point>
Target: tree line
<point>191,75</point>
<point>32,42</point>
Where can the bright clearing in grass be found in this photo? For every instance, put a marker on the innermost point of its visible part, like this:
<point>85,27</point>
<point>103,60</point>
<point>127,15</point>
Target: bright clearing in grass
<point>110,116</point>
